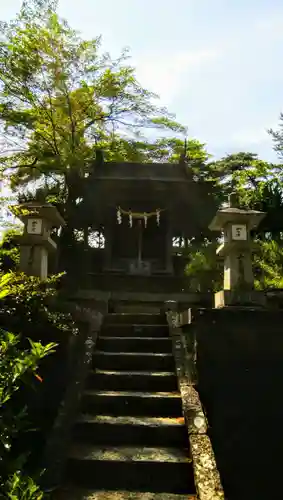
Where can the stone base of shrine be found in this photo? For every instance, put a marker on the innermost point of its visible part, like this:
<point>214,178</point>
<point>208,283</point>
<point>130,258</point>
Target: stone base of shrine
<point>250,298</point>
<point>135,302</point>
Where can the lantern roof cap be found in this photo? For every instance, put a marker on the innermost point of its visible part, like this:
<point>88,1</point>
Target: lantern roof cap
<point>44,211</point>
<point>224,216</point>
<point>232,213</point>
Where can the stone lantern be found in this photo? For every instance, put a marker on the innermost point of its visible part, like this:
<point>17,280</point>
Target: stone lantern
<point>236,249</point>
<point>36,242</point>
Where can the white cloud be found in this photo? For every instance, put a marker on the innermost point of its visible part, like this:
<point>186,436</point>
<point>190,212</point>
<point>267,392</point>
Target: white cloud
<point>164,74</point>
<point>272,26</point>
<point>246,137</point>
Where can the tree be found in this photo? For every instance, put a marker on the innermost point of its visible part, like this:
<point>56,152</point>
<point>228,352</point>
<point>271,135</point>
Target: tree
<point>259,186</point>
<point>62,101</point>
<point>277,136</point>
<point>244,173</point>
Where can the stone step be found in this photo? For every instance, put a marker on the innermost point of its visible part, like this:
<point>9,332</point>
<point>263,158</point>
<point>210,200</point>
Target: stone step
<point>132,330</point>
<point>135,344</point>
<point>73,493</point>
<point>136,308</point>
<point>133,380</point>
<point>126,361</point>
<point>131,431</point>
<point>142,469</point>
<point>158,404</point>
<point>135,319</point>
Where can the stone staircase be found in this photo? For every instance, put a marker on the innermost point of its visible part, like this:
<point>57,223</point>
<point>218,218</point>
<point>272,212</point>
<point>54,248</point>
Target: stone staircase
<point>130,440</point>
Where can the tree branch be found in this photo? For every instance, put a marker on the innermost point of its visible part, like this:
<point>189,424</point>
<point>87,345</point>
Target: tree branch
<point>30,165</point>
<point>70,113</point>
<point>51,115</point>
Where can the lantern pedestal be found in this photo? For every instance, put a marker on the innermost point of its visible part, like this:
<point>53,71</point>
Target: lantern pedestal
<point>34,261</point>
<point>251,298</point>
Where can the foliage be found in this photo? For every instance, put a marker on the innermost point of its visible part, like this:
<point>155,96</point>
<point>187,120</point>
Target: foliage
<point>28,309</point>
<point>203,268</point>
<point>28,298</point>
<point>62,100</point>
<point>269,265</point>
<point>21,487</point>
<point>242,172</point>
<point>9,251</point>
<point>277,136</point>
<point>17,367</point>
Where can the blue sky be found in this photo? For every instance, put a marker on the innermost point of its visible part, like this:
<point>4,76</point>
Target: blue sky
<point>216,64</point>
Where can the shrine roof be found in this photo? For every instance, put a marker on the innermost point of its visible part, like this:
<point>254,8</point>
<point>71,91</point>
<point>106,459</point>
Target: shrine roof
<point>173,172</point>
<point>145,187</point>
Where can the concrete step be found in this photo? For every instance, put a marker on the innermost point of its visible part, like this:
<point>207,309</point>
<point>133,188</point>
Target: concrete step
<point>134,344</point>
<point>132,330</point>
<point>133,380</point>
<point>131,431</point>
<point>141,469</point>
<point>135,319</point>
<point>136,308</point>
<point>158,404</point>
<point>72,493</point>
<point>127,361</point>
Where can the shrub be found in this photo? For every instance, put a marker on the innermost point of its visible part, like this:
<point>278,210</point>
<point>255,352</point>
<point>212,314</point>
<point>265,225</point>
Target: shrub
<point>17,366</point>
<point>9,251</point>
<point>31,312</point>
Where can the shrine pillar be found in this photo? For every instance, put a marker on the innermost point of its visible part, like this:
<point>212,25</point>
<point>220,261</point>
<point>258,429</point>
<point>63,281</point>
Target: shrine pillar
<point>236,250</point>
<point>169,244</point>
<point>36,242</point>
<point>108,231</point>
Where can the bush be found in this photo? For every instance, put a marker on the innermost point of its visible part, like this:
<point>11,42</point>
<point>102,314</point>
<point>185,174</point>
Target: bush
<point>9,251</point>
<point>31,306</point>
<point>268,265</point>
<point>203,268</point>
<point>17,366</point>
<point>30,314</point>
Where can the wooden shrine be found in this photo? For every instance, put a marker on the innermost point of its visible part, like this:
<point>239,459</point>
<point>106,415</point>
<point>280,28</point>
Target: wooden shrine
<point>128,215</point>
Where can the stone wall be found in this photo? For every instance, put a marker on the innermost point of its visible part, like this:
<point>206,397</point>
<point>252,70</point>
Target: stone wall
<point>240,382</point>
<point>80,351</point>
